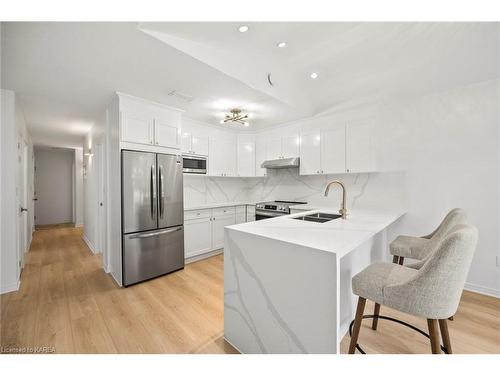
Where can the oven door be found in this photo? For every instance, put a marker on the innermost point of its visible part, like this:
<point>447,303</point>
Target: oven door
<point>194,164</point>
<point>261,215</point>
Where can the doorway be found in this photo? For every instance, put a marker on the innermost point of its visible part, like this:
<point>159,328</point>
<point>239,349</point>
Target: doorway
<point>54,186</point>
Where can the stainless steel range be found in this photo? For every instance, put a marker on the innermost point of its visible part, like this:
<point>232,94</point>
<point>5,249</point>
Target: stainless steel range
<point>267,210</point>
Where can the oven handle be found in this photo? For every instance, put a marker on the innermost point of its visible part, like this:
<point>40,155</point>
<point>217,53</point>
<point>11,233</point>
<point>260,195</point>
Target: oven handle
<point>269,214</point>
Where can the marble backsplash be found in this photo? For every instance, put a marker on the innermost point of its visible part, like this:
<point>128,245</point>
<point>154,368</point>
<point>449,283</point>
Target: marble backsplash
<point>383,190</point>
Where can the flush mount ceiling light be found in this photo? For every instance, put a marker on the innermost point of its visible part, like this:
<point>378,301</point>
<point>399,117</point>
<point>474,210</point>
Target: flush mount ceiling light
<point>243,28</point>
<point>281,45</point>
<point>236,115</point>
<point>314,75</point>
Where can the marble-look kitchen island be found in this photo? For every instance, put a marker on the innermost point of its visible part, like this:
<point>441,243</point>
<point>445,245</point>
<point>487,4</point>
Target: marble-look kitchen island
<point>287,282</point>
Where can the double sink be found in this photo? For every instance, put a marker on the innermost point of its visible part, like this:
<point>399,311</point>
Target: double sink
<point>320,217</point>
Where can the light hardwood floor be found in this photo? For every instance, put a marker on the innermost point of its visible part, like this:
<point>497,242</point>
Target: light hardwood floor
<point>66,301</point>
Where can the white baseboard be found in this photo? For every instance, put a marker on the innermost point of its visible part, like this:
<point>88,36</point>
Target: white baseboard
<point>482,290</point>
<point>12,287</point>
<point>78,225</point>
<point>196,258</point>
<point>89,244</point>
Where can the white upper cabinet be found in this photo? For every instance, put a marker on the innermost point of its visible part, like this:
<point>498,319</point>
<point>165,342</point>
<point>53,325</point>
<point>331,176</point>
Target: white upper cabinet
<point>186,145</point>
<point>260,157</point>
<point>280,147</point>
<point>199,145</point>
<point>273,148</point>
<point>290,146</point>
<point>337,148</point>
<point>222,157</point>
<point>166,134</point>
<point>310,152</point>
<point>148,123</point>
<point>246,158</point>
<point>359,147</point>
<point>194,144</point>
<point>333,147</point>
<point>136,128</point>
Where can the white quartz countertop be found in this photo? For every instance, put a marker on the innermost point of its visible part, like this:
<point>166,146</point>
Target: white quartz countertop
<point>338,236</point>
<point>217,205</point>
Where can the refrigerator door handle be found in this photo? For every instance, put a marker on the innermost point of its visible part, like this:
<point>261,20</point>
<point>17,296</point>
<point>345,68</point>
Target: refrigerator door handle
<point>152,188</point>
<point>160,190</point>
<point>159,233</point>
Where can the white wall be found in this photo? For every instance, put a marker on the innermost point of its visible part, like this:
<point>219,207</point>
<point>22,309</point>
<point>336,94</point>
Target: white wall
<point>9,277</point>
<point>54,185</point>
<point>13,131</point>
<point>78,187</point>
<point>448,142</point>
<point>90,183</point>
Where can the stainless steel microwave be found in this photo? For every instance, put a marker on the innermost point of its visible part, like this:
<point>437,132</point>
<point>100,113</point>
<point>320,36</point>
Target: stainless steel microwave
<point>194,164</point>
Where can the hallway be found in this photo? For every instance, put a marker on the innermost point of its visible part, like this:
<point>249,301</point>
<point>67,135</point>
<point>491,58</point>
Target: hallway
<point>67,304</point>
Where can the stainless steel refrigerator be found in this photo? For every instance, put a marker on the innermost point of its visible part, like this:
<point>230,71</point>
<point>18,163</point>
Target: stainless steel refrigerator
<point>152,215</point>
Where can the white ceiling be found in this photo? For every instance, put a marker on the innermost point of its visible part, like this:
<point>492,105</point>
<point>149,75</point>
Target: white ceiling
<point>65,73</point>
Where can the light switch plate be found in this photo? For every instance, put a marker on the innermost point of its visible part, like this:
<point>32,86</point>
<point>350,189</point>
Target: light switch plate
<point>498,260</point>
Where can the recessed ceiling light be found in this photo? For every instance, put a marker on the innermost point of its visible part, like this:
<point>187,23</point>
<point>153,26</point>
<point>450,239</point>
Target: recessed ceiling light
<point>243,28</point>
<point>281,44</point>
<point>314,75</point>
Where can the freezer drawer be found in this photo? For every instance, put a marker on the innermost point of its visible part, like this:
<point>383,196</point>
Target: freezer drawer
<point>150,254</point>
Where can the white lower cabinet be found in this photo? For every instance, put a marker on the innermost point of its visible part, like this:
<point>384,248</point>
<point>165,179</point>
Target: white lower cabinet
<point>204,229</point>
<point>197,236</point>
<point>218,224</point>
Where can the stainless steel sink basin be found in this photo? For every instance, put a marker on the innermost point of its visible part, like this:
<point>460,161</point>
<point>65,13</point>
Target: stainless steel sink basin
<point>320,217</point>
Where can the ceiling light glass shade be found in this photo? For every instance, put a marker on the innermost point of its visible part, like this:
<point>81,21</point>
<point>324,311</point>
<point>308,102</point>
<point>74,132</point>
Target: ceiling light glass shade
<point>281,44</point>
<point>243,28</point>
<point>314,75</point>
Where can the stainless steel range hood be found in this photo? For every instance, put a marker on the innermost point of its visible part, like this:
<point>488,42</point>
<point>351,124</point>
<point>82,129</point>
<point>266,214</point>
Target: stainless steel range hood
<point>281,163</point>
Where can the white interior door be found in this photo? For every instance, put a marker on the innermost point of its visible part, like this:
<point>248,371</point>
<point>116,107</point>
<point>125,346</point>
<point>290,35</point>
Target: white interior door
<point>101,194</point>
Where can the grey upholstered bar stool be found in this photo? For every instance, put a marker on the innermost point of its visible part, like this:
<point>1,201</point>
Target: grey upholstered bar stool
<point>430,289</point>
<point>420,247</point>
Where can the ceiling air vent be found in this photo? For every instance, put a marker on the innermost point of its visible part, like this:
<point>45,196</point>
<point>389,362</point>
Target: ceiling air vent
<point>182,96</point>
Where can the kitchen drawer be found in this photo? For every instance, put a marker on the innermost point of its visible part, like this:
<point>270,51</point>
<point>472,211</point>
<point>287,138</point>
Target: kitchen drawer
<point>241,210</point>
<point>197,214</point>
<point>223,211</point>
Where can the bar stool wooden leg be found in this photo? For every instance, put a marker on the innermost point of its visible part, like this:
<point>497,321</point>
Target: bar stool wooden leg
<point>445,334</point>
<point>401,260</point>
<point>395,259</point>
<point>450,318</point>
<point>376,312</point>
<point>357,324</point>
<point>434,336</point>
